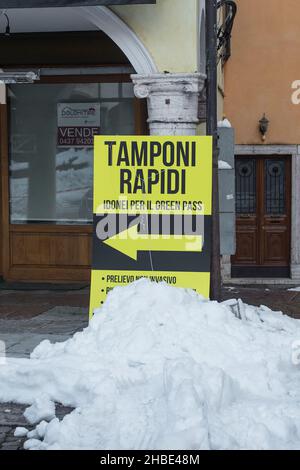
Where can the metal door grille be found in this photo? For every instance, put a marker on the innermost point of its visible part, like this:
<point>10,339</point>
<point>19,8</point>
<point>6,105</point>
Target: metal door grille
<point>245,186</point>
<point>275,187</point>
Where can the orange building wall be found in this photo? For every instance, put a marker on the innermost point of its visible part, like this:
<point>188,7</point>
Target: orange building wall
<point>265,61</point>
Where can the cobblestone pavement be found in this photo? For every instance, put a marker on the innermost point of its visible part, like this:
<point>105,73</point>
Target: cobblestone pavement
<point>28,317</point>
<point>11,416</point>
<point>27,304</point>
<point>279,299</point>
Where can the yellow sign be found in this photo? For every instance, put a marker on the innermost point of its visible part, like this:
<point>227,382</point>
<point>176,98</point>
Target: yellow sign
<point>152,212</point>
<point>160,175</point>
<point>104,281</point>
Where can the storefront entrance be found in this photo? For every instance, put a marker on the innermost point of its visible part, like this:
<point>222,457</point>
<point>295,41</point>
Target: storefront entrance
<point>47,170</point>
<point>263,207</point>
<point>46,140</point>
<point>47,164</point>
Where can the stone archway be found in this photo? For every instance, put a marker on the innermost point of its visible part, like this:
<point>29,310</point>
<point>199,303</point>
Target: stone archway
<point>84,19</point>
<point>123,36</point>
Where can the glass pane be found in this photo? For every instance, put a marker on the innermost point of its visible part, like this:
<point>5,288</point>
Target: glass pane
<point>275,186</point>
<point>51,139</point>
<point>245,186</point>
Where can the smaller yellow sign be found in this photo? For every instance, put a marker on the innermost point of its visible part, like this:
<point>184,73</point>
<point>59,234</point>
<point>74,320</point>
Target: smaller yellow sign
<point>105,281</point>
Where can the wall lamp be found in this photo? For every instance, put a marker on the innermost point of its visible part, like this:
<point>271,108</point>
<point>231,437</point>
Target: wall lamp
<point>19,77</point>
<point>264,126</point>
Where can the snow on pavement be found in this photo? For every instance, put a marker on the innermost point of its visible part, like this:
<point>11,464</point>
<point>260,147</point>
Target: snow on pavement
<point>163,368</point>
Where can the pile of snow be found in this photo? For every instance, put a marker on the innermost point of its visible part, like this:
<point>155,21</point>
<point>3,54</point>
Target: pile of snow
<point>163,368</point>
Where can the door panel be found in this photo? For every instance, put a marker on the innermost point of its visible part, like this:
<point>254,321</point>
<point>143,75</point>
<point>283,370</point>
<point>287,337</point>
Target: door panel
<point>274,246</point>
<point>246,244</point>
<point>263,217</point>
<point>275,211</point>
<point>246,208</point>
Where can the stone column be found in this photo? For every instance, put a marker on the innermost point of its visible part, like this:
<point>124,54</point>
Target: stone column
<point>172,101</point>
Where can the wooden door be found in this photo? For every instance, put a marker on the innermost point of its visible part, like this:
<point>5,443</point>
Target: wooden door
<point>263,207</point>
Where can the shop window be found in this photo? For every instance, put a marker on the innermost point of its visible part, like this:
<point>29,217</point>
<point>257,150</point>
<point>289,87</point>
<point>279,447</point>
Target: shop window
<point>51,146</point>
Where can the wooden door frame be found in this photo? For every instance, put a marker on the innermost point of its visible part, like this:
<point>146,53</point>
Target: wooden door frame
<point>291,151</point>
<point>8,229</point>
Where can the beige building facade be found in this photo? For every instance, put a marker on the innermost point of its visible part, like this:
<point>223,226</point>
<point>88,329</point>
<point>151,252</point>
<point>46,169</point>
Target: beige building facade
<point>262,103</point>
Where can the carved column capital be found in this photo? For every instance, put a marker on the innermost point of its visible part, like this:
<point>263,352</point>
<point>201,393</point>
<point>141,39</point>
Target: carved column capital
<point>172,101</point>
